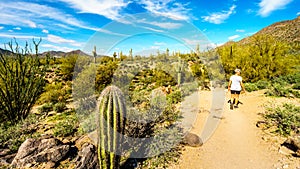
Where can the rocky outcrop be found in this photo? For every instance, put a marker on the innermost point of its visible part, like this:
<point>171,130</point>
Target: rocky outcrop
<point>37,151</point>
<point>50,152</point>
<point>87,157</point>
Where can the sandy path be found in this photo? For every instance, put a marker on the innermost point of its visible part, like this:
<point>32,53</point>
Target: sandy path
<point>237,143</point>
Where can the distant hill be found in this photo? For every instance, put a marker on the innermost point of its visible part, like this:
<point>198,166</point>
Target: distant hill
<point>4,51</point>
<point>52,53</point>
<point>63,54</point>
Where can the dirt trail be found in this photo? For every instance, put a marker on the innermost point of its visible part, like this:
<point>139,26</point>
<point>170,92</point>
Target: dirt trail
<point>237,143</point>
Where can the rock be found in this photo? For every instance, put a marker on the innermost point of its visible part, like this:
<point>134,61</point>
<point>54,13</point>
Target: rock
<point>38,151</point>
<point>87,157</point>
<point>192,140</point>
<point>49,165</point>
<point>4,152</point>
<point>285,151</point>
<point>293,143</point>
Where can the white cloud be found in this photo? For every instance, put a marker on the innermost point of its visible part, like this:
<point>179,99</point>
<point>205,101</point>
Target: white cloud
<point>240,30</point>
<point>298,13</point>
<point>45,31</point>
<point>219,17</point>
<point>155,47</point>
<point>17,28</point>
<point>268,6</point>
<point>151,29</point>
<point>167,8</point>
<point>57,48</point>
<point>233,37</point>
<point>160,43</point>
<point>60,40</point>
<point>191,41</point>
<point>18,36</point>
<point>1,27</point>
<point>165,25</point>
<point>107,8</point>
<point>14,13</point>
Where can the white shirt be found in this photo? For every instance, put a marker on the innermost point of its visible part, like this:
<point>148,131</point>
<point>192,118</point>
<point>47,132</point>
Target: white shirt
<point>236,83</point>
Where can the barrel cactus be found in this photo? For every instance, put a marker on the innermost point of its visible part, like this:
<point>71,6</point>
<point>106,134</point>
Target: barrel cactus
<point>111,127</point>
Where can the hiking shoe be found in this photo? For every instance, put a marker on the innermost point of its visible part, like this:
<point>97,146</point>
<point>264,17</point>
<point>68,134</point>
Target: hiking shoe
<point>236,106</point>
<point>231,106</point>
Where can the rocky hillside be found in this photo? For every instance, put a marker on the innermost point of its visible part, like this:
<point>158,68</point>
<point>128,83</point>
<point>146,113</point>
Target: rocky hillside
<point>288,31</point>
<point>285,30</point>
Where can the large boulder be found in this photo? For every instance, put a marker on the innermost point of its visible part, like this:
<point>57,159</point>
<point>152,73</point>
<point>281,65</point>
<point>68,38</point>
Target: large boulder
<point>37,151</point>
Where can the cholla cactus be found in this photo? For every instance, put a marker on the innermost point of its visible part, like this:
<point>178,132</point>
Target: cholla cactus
<point>111,127</point>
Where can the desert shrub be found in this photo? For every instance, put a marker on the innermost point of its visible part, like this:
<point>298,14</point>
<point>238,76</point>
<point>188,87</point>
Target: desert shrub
<point>55,92</point>
<point>285,118</point>
<point>188,88</point>
<point>296,86</point>
<point>262,84</point>
<point>278,90</point>
<point>174,97</point>
<point>285,86</point>
<point>105,73</point>
<point>67,126</point>
<point>45,108</point>
<point>21,82</point>
<point>73,64</point>
<point>12,136</point>
<point>250,87</point>
<point>59,107</point>
<point>167,157</point>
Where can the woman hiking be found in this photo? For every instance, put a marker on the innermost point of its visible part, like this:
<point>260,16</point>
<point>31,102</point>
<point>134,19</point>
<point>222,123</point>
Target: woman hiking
<point>235,87</point>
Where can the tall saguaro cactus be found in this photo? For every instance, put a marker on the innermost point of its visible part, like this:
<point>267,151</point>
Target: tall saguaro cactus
<point>179,69</point>
<point>111,127</point>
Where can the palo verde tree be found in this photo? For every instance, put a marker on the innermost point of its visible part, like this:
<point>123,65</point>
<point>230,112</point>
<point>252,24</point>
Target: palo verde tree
<point>21,81</point>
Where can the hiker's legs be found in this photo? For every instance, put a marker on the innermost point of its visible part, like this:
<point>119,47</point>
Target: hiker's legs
<point>236,99</point>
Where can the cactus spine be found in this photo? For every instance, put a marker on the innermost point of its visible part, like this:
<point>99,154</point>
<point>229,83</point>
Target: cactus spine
<point>111,126</point>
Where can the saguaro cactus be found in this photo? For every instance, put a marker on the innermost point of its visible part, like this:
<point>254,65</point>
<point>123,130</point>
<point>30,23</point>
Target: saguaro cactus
<point>179,69</point>
<point>111,127</point>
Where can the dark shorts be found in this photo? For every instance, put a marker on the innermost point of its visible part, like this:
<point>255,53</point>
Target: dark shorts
<point>235,92</point>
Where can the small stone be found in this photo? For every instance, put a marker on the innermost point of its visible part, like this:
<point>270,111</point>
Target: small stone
<point>285,166</point>
<point>49,165</point>
<point>4,152</point>
<point>285,151</point>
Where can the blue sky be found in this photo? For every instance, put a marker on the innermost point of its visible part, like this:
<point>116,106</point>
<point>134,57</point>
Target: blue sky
<point>118,25</point>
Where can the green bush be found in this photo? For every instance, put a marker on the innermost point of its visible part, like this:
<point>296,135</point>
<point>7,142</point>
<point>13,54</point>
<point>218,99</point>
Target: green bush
<point>280,90</point>
<point>250,87</point>
<point>262,84</point>
<point>45,108</point>
<point>296,86</point>
<point>174,97</point>
<point>55,92</point>
<point>12,136</point>
<point>66,127</point>
<point>59,107</point>
<point>285,119</point>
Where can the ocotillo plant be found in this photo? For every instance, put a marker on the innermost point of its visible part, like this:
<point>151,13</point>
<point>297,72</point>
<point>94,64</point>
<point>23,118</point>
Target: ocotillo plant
<point>111,127</point>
